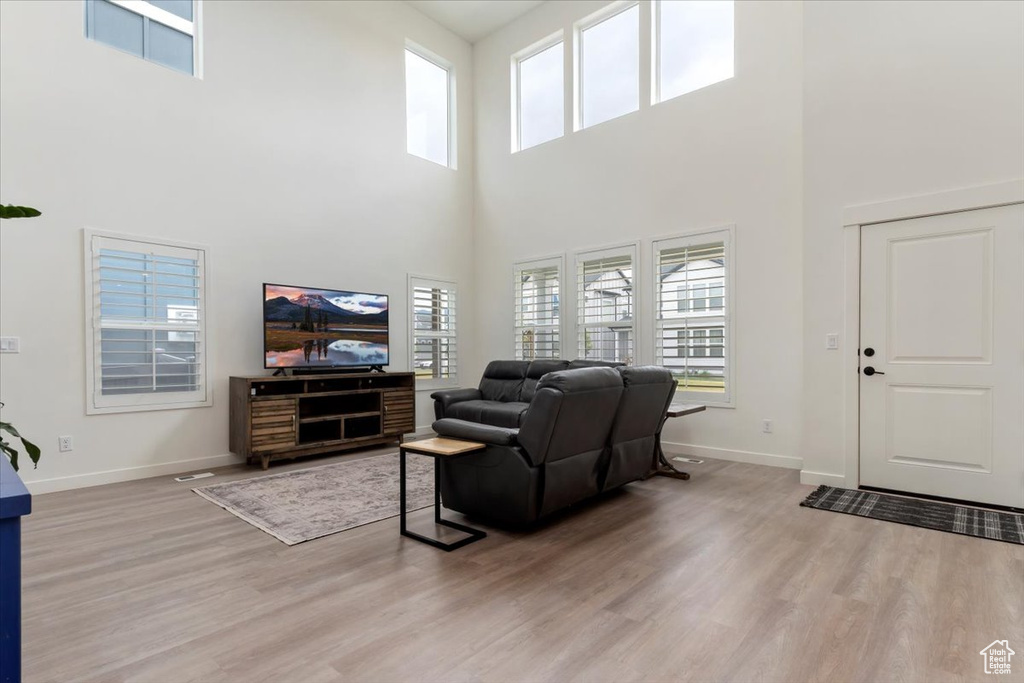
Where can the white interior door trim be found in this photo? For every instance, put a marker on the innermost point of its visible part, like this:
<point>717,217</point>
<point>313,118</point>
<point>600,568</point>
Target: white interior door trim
<point>854,218</point>
<point>950,201</point>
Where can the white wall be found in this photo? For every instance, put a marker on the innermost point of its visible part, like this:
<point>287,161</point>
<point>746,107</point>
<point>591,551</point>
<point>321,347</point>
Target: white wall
<point>287,159</point>
<point>900,99</point>
<point>727,154</point>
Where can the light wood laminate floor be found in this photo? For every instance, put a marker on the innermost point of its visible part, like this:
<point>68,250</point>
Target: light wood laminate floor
<point>720,578</point>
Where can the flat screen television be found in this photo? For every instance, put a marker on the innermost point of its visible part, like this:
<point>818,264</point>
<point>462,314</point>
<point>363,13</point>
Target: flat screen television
<point>304,327</point>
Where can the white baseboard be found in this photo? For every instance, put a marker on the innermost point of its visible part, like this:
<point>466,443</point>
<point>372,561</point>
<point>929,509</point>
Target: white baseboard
<point>749,457</point>
<point>816,478</point>
<point>177,467</point>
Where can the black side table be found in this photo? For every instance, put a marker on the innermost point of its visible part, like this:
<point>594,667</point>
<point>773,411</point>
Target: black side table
<point>662,467</point>
<point>437,449</point>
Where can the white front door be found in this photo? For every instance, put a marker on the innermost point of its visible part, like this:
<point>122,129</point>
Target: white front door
<point>942,356</point>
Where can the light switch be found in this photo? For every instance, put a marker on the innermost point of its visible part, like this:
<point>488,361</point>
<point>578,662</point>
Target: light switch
<point>831,341</point>
<point>10,345</point>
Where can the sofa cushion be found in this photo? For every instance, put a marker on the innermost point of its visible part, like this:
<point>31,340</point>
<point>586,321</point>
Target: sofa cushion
<point>538,369</point>
<point>503,380</point>
<point>497,413</point>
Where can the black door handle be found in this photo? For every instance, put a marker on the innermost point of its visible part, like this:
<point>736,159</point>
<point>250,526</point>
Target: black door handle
<point>871,371</point>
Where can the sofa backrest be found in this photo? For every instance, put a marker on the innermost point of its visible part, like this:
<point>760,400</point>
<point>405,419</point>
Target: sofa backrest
<point>646,394</point>
<point>565,431</point>
<point>503,380</point>
<point>538,369</point>
<point>572,413</point>
<point>586,363</point>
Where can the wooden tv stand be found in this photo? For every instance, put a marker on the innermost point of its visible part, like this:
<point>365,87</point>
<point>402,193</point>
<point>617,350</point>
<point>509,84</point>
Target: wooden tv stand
<point>274,418</point>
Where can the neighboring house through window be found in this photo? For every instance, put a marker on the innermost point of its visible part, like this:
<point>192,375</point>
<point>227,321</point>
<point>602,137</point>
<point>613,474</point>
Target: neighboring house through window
<point>538,323</point>
<point>146,304</point>
<point>693,323</point>
<point>605,303</point>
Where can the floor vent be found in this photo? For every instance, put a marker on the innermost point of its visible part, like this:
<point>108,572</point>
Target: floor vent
<point>190,477</point>
<point>691,461</point>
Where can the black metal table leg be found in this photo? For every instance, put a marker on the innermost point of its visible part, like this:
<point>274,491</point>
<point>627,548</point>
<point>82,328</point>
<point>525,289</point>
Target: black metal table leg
<point>473,534</point>
<point>662,467</point>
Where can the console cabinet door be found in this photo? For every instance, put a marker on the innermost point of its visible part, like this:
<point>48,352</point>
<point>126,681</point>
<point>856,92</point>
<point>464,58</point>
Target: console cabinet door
<point>273,424</point>
<point>399,411</point>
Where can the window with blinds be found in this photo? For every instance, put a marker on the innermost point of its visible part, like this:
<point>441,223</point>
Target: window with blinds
<point>147,325</point>
<point>693,331</point>
<point>605,303</point>
<point>538,318</point>
<point>434,332</point>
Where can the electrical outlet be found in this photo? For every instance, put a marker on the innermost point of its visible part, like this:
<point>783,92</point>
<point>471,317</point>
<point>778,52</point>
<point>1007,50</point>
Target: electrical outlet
<point>766,426</point>
<point>10,345</point>
<point>65,444</point>
<point>832,341</point>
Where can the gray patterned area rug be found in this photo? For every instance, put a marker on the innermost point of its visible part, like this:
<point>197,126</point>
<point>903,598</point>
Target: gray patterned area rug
<point>301,505</point>
<point>928,514</point>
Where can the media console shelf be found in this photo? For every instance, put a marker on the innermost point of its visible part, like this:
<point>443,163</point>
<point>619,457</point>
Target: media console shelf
<point>274,418</point>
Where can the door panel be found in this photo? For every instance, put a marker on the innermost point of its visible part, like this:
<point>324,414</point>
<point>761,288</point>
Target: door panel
<point>942,311</point>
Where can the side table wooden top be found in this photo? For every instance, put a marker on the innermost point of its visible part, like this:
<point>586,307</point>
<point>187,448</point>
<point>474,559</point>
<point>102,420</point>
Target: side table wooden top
<point>442,446</point>
<point>680,409</point>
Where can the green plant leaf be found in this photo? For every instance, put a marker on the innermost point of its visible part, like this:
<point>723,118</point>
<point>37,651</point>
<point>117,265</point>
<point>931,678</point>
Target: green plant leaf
<point>32,450</point>
<point>12,211</point>
<point>10,453</point>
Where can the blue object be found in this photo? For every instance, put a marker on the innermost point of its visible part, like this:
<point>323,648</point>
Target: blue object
<point>15,503</point>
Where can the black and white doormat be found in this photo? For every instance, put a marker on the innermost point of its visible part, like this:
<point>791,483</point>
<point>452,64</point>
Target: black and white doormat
<point>929,514</point>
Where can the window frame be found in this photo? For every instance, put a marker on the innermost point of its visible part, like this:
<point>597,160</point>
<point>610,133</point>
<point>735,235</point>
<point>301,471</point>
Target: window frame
<point>446,65</point>
<point>518,267</point>
<point>193,29</point>
<point>556,38</point>
<point>631,249</point>
<point>96,403</point>
<point>579,27</point>
<point>656,97</point>
<point>726,235</point>
<point>432,383</point>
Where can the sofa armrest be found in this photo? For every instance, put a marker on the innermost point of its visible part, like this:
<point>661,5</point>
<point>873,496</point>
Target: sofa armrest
<point>444,399</point>
<point>472,431</point>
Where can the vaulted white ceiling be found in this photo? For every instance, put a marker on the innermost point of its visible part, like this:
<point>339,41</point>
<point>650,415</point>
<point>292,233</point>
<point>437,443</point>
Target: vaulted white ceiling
<point>474,19</point>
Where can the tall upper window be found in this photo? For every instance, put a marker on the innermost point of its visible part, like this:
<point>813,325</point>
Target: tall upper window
<point>693,326</point>
<point>609,65</point>
<point>539,82</point>
<point>694,45</point>
<point>606,304</point>
<point>434,332</point>
<point>537,311</point>
<point>147,336</point>
<point>428,107</point>
<point>161,31</point>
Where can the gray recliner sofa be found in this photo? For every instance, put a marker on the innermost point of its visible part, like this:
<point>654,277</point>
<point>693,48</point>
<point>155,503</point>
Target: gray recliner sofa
<point>504,393</point>
<point>585,431</point>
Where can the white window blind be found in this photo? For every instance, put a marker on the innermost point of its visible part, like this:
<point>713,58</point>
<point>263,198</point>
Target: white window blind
<point>693,331</point>
<point>537,311</point>
<point>434,332</point>
<point>161,31</point>
<point>147,333</point>
<point>605,303</point>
